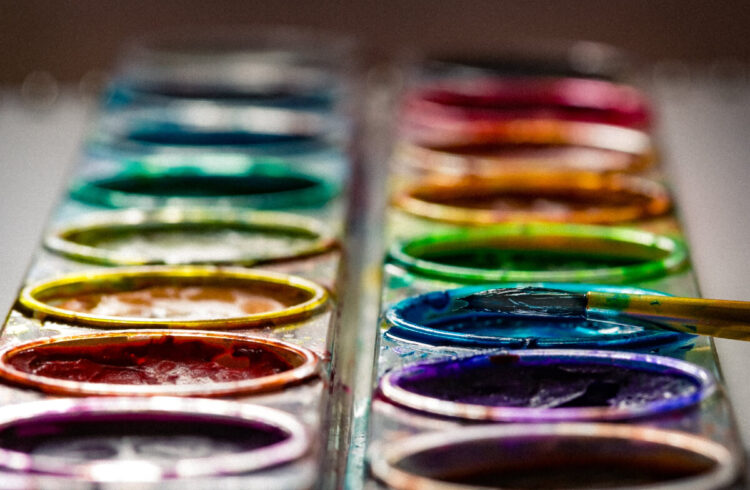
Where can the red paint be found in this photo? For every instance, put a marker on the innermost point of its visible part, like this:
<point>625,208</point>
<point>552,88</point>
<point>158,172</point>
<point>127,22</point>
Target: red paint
<point>161,360</point>
<point>567,99</point>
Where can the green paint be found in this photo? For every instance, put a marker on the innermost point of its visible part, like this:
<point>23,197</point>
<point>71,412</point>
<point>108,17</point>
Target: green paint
<point>260,187</point>
<point>541,252</point>
<point>617,301</point>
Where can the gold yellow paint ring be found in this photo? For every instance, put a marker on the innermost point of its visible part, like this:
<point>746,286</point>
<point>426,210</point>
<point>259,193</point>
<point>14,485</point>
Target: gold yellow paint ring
<point>35,297</point>
<point>432,198</point>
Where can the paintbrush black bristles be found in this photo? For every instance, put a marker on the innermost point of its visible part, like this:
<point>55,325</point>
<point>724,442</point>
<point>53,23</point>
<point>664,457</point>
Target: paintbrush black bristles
<point>527,301</point>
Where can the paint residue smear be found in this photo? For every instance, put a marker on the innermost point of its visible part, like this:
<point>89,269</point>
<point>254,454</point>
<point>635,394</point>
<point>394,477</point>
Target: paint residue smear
<point>126,436</point>
<point>174,302</point>
<point>181,246</point>
<point>159,361</point>
<point>518,383</point>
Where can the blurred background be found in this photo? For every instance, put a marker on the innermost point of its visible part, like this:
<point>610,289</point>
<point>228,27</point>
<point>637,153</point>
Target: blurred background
<point>69,38</point>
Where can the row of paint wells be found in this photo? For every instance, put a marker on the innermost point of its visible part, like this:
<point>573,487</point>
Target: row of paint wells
<point>234,157</point>
<point>547,180</point>
<point>209,157</point>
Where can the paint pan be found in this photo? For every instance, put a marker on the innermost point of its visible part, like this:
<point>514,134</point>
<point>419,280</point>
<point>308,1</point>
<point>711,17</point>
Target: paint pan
<point>568,197</point>
<point>539,111</point>
<point>262,186</point>
<point>193,297</point>
<point>491,161</point>
<point>569,455</point>
<point>545,385</point>
<point>277,67</point>
<point>146,439</point>
<point>195,129</point>
<point>432,319</point>
<point>190,236</point>
<point>482,100</point>
<point>541,253</point>
<point>148,363</point>
<point>556,58</point>
<point>452,135</point>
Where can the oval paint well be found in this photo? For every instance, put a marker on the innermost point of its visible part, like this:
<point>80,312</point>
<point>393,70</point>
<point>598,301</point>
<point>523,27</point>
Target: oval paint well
<point>573,456</point>
<point>147,363</point>
<point>277,67</point>
<point>433,319</point>
<point>200,127</point>
<point>487,161</point>
<point>136,440</point>
<point>500,99</point>
<point>557,58</point>
<point>167,134</point>
<point>175,297</point>
<point>126,92</point>
<point>540,385</point>
<point>551,196</point>
<point>541,252</point>
<point>478,111</point>
<point>190,236</point>
<point>265,186</point>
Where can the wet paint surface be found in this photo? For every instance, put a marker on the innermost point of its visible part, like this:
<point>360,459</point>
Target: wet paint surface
<point>492,159</point>
<point>478,256</point>
<point>157,361</point>
<point>185,244</point>
<point>555,463</point>
<point>301,96</point>
<point>158,438</point>
<point>174,302</point>
<point>176,135</point>
<point>568,99</point>
<point>552,202</point>
<point>440,318</point>
<point>270,187</point>
<point>540,252</point>
<point>509,381</point>
<point>206,186</point>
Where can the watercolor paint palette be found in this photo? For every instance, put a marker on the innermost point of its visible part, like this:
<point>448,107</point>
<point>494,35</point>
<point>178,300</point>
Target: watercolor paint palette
<point>220,238</point>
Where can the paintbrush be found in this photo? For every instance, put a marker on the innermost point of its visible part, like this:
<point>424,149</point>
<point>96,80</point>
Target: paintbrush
<point>712,317</point>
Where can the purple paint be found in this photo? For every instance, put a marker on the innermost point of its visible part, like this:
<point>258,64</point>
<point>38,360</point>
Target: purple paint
<point>552,384</point>
<point>102,438</point>
<point>90,437</point>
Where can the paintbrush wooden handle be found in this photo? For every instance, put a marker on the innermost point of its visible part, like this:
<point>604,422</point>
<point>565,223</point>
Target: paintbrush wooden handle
<point>715,318</point>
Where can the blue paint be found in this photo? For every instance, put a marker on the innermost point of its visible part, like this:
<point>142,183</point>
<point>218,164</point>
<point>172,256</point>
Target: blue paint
<point>430,319</point>
<point>125,93</point>
<point>157,131</point>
